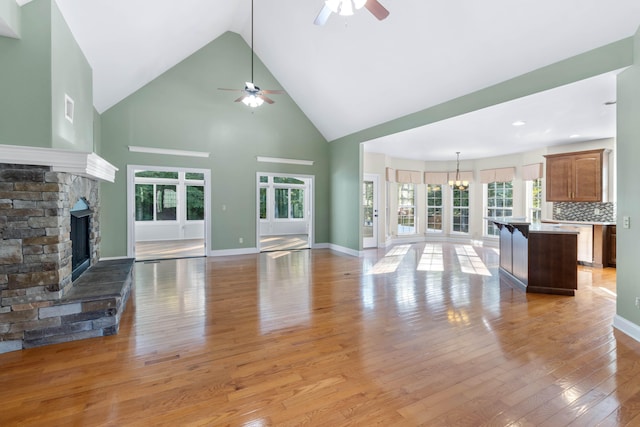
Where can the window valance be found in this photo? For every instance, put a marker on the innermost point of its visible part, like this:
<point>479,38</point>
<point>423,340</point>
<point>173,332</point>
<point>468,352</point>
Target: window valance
<point>531,172</point>
<point>435,177</point>
<point>408,177</point>
<point>497,175</point>
<point>391,175</point>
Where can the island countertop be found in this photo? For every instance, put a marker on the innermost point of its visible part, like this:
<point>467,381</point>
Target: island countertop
<point>523,223</point>
<point>562,221</point>
<point>539,258</point>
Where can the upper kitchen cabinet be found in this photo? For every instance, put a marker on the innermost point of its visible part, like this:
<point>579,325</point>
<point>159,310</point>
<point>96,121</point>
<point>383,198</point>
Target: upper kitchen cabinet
<point>576,177</point>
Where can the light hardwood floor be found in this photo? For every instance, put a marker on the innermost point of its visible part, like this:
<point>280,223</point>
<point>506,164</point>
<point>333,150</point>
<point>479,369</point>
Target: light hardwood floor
<point>286,242</point>
<point>412,335</point>
<point>169,249</point>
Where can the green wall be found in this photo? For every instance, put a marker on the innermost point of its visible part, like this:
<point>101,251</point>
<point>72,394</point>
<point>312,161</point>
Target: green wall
<point>346,194</point>
<point>25,80</point>
<point>37,70</point>
<point>97,131</point>
<point>182,109</point>
<point>10,16</point>
<point>628,111</point>
<point>70,75</point>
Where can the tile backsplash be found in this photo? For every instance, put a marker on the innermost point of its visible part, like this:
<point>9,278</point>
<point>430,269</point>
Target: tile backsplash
<point>593,212</point>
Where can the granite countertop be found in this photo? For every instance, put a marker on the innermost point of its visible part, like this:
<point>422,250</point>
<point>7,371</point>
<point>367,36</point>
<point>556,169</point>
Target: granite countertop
<point>555,228</point>
<point>508,220</point>
<point>552,229</point>
<point>558,221</point>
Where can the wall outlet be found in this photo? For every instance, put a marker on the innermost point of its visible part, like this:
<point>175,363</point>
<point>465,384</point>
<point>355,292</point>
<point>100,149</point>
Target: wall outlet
<point>626,222</point>
<point>241,240</point>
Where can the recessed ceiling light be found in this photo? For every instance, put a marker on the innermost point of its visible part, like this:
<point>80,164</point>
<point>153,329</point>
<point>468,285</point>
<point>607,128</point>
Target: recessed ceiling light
<point>575,135</point>
<point>519,123</point>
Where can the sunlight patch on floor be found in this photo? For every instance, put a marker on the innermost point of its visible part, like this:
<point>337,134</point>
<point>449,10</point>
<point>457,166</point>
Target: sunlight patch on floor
<point>470,262</point>
<point>432,258</point>
<point>391,260</point>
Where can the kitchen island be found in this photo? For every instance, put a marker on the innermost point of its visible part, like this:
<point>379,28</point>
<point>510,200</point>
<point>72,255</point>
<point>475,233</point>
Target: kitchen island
<point>540,258</point>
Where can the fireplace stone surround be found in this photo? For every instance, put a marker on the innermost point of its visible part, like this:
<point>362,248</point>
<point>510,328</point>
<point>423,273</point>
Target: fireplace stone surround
<point>39,302</point>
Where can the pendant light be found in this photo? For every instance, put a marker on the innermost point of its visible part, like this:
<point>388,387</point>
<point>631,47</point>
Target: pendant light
<point>458,184</point>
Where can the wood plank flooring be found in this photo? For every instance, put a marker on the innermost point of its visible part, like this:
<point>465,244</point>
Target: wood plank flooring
<point>169,249</point>
<point>284,242</point>
<point>407,336</point>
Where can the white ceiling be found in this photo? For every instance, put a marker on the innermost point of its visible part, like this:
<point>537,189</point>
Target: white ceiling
<point>357,72</point>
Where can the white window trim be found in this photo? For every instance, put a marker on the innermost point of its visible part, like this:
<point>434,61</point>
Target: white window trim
<point>442,208</point>
<point>415,210</point>
<point>452,208</point>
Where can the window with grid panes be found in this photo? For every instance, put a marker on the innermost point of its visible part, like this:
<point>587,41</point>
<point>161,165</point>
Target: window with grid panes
<point>434,207</point>
<point>499,203</point>
<point>460,210</point>
<point>534,200</point>
<point>407,209</point>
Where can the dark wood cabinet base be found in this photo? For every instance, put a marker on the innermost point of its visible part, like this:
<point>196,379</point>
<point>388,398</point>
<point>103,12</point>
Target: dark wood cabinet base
<point>540,261</point>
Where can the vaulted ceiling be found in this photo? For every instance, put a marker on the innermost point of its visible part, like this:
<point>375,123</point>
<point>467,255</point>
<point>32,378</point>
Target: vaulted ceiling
<point>356,72</point>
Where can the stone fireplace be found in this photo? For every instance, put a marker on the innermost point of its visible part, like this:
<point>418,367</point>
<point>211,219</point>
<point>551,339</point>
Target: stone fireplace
<point>40,302</point>
<point>37,250</point>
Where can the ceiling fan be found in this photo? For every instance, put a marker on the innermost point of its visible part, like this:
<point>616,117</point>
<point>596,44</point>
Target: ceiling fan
<point>253,96</point>
<point>345,8</point>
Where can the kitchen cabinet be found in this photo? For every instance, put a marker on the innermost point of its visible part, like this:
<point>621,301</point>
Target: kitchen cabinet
<point>611,246</point>
<point>575,177</point>
<point>596,241</point>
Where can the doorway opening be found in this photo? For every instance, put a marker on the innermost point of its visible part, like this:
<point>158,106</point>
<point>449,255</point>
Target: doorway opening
<point>168,212</point>
<point>285,212</point>
<point>370,211</point>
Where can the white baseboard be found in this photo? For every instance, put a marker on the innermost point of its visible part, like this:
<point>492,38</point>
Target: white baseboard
<point>344,250</point>
<point>627,327</point>
<point>229,252</point>
<point>320,246</point>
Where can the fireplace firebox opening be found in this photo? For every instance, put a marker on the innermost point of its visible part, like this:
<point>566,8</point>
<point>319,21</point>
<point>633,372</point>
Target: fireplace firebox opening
<point>80,231</point>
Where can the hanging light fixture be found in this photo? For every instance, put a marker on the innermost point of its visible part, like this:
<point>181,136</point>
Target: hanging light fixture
<point>253,96</point>
<point>345,7</point>
<point>458,184</point>
<point>348,8</point>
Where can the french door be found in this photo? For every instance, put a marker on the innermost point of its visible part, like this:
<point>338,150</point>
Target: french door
<point>370,209</point>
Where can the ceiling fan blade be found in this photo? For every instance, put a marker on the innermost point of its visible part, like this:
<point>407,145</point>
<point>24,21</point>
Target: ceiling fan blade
<point>232,90</point>
<point>273,92</point>
<point>239,99</point>
<point>322,17</point>
<point>378,10</point>
<point>266,99</point>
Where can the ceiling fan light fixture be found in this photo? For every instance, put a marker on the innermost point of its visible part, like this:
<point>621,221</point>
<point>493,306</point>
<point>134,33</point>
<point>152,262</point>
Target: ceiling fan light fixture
<point>346,8</point>
<point>252,101</point>
<point>334,5</point>
<point>359,4</point>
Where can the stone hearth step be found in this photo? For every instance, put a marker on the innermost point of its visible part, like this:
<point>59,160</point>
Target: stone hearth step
<point>91,308</point>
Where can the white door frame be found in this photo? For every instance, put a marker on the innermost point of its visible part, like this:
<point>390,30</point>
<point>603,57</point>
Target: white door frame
<point>372,242</point>
<point>309,198</point>
<point>131,203</point>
